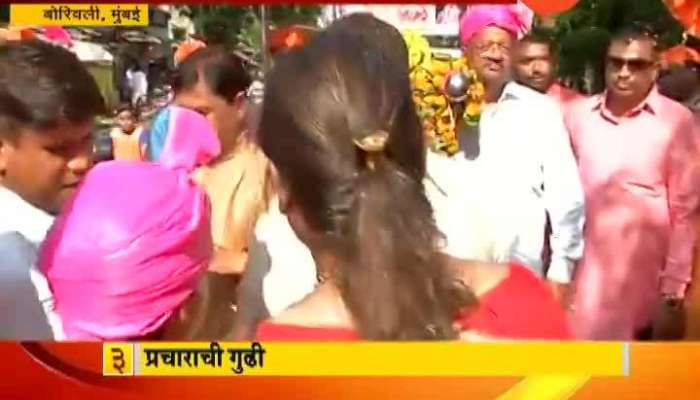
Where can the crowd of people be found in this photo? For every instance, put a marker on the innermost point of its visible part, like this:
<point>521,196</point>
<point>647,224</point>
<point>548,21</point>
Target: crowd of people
<point>320,213</point>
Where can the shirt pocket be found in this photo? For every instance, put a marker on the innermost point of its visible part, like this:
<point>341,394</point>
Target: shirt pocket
<point>643,189</point>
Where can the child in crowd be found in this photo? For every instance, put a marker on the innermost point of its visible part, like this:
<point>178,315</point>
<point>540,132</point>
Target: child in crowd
<point>126,136</point>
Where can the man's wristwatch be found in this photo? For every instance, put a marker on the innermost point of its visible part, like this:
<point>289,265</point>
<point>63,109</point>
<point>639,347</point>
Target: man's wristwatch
<point>672,301</point>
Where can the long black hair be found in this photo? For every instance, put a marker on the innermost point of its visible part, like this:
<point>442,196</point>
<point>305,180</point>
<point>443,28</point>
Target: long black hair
<point>42,84</point>
<point>389,47</point>
<point>219,68</point>
<point>324,106</point>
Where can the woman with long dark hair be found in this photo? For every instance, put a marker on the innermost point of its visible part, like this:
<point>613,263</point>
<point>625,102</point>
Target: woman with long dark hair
<point>334,134</point>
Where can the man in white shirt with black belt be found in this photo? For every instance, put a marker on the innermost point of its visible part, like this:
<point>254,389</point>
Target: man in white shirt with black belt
<point>491,199</point>
<point>47,105</point>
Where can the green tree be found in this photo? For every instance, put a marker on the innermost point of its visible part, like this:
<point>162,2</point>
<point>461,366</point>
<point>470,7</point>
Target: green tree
<point>290,15</point>
<point>241,27</point>
<point>219,24</point>
<point>583,33</point>
<point>224,24</point>
<point>4,13</point>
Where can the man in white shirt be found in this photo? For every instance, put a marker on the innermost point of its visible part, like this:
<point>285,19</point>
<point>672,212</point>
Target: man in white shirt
<point>26,302</point>
<point>279,273</point>
<point>45,148</point>
<point>138,83</point>
<point>491,199</point>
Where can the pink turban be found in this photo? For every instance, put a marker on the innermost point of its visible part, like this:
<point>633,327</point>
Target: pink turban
<point>511,18</point>
<point>131,246</point>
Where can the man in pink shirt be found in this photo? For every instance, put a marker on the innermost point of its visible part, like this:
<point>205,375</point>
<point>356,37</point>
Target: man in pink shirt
<point>638,165</point>
<point>536,67</point>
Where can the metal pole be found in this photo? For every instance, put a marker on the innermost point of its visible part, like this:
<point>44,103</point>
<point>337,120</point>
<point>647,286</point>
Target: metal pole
<point>263,33</point>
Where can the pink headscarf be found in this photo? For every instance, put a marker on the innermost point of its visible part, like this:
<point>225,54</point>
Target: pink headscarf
<point>132,245</point>
<point>511,18</point>
<point>191,140</point>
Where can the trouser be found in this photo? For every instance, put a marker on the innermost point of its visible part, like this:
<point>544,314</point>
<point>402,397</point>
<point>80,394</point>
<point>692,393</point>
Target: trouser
<point>546,249</point>
<point>250,301</point>
<point>221,314</point>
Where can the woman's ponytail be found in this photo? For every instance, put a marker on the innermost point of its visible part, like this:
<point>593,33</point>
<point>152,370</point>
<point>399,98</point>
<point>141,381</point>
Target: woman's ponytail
<point>395,284</point>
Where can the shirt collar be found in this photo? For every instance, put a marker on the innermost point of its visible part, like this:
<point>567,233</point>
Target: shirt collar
<point>511,90</point>
<point>650,104</point>
<point>17,215</point>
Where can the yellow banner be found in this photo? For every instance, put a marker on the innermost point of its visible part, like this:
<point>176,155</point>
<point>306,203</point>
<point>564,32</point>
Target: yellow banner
<point>79,14</point>
<point>368,359</point>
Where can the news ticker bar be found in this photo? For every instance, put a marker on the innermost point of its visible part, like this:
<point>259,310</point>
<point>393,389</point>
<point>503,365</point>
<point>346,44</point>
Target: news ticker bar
<point>79,14</point>
<point>365,359</point>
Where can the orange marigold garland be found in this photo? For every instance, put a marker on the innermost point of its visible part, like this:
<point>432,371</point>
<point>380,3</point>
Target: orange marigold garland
<point>428,73</point>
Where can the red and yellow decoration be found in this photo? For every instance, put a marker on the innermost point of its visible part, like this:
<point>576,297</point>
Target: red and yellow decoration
<point>428,72</point>
<point>547,8</point>
<point>17,33</point>
<point>688,13</point>
<point>74,370</point>
<point>283,39</point>
<point>678,55</point>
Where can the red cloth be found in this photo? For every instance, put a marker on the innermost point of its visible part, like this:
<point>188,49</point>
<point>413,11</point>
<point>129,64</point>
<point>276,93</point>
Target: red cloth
<point>520,307</point>
<point>289,38</point>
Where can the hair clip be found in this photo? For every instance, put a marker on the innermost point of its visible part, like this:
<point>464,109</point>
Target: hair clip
<point>373,146</point>
<point>374,142</point>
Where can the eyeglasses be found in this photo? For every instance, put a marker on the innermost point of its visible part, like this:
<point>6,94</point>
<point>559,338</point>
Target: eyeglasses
<point>485,48</point>
<point>633,64</point>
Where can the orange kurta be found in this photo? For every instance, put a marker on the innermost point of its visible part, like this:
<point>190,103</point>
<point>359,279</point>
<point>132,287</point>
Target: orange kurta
<point>238,188</point>
<point>127,146</point>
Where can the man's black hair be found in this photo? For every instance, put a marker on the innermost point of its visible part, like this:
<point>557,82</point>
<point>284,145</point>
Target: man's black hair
<point>368,29</point>
<point>136,66</point>
<point>636,33</point>
<point>220,69</point>
<point>127,107</point>
<point>540,36</point>
<point>42,85</point>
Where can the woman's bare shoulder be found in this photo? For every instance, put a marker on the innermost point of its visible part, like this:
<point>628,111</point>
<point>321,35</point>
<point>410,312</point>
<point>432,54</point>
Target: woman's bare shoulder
<point>315,310</point>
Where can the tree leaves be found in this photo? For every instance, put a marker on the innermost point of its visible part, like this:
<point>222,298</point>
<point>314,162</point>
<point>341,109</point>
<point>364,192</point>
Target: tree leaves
<point>582,35</point>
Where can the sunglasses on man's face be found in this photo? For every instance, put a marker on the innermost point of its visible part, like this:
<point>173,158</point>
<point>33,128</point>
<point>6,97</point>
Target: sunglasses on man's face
<point>633,64</point>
